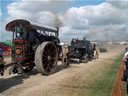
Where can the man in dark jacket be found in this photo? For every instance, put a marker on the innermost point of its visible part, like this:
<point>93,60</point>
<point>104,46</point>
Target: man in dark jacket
<point>125,59</point>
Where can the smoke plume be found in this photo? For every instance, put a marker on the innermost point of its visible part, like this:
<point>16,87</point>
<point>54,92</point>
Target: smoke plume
<point>56,7</point>
<point>108,33</point>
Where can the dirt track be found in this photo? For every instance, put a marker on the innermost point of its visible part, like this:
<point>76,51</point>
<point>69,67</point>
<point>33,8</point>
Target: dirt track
<point>34,84</point>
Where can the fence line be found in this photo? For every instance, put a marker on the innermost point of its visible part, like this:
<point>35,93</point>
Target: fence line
<point>118,84</point>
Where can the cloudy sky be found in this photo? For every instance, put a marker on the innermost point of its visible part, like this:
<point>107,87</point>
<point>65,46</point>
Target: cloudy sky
<point>95,19</point>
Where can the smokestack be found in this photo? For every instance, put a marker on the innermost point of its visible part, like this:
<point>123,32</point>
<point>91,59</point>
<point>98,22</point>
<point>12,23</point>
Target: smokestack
<point>57,31</point>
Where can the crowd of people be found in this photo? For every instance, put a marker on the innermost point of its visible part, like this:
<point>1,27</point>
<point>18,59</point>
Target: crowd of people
<point>125,59</point>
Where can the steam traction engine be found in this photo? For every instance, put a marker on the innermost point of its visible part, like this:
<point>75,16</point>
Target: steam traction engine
<point>34,45</point>
<point>82,50</point>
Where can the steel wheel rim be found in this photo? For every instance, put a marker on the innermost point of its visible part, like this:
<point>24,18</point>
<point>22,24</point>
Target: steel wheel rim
<point>49,58</point>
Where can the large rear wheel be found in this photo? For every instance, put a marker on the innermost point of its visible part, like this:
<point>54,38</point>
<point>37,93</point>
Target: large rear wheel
<point>46,58</point>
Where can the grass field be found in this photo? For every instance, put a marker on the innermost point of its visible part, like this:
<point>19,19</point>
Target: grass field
<point>99,84</point>
<point>124,88</point>
<point>103,83</point>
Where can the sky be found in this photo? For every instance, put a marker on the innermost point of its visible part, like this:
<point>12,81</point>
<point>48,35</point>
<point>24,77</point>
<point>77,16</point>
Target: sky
<point>94,19</point>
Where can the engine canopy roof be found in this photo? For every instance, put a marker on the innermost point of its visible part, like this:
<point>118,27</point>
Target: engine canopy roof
<point>14,23</point>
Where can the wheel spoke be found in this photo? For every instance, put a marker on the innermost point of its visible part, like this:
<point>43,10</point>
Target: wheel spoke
<point>46,64</point>
<point>47,68</point>
<point>53,54</point>
<point>45,52</point>
<point>50,48</point>
<point>44,56</point>
<point>51,67</point>
<point>44,60</point>
<point>51,64</point>
<point>54,59</point>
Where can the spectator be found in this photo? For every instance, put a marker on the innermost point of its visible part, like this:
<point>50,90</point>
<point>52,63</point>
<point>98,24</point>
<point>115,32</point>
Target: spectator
<point>1,51</point>
<point>126,68</point>
<point>1,62</point>
<point>126,53</point>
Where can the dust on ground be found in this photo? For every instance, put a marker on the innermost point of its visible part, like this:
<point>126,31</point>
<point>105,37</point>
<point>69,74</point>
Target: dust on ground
<point>34,84</point>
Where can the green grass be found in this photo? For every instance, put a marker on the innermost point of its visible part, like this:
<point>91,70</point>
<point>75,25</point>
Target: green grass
<point>103,82</point>
<point>124,88</point>
<point>95,81</point>
<point>98,81</point>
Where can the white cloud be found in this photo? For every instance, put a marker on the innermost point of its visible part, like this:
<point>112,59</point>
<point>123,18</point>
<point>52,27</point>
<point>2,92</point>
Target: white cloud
<point>122,5</point>
<point>101,14</point>
<point>67,33</point>
<point>4,35</point>
<point>102,19</point>
<point>37,10</point>
<point>108,32</point>
<point>105,18</point>
<point>119,3</point>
